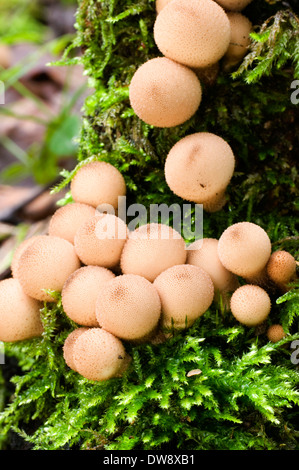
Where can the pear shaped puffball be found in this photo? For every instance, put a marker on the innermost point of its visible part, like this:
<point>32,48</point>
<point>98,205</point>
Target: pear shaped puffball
<point>80,293</point>
<point>199,167</point>
<point>192,32</point>
<point>186,293</point>
<point>100,240</point>
<point>67,220</point>
<point>19,314</point>
<point>129,307</point>
<point>234,5</point>
<point>97,355</point>
<point>152,248</point>
<point>250,305</point>
<point>98,184</point>
<point>164,93</point>
<point>45,265</point>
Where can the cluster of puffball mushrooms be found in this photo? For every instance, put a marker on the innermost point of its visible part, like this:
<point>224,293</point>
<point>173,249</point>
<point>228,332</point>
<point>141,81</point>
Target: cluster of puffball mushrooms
<point>120,286</point>
<point>193,36</point>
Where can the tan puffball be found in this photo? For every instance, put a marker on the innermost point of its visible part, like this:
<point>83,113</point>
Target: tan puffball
<point>98,355</point>
<point>192,32</point>
<point>186,293</point>
<point>68,346</point>
<point>19,313</point>
<point>46,264</point>
<point>164,93</point>
<point>275,333</point>
<point>199,167</point>
<point>98,183</point>
<point>18,253</point>
<point>281,267</point>
<point>244,249</point>
<point>152,248</point>
<point>67,220</point>
<point>129,307</point>
<point>241,28</point>
<point>250,305</point>
<point>80,293</point>
<point>100,240</point>
<point>234,5</point>
<point>204,253</point>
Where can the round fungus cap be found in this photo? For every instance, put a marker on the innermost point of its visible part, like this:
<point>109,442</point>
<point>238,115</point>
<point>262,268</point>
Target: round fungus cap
<point>98,355</point>
<point>80,293</point>
<point>18,253</point>
<point>192,32</point>
<point>204,253</point>
<point>241,28</point>
<point>152,248</point>
<point>19,314</point>
<point>100,240</point>
<point>186,292</point>
<point>250,305</point>
<point>67,220</point>
<point>69,345</point>
<point>164,93</point>
<point>98,183</point>
<point>244,248</point>
<point>45,265</point>
<point>234,5</point>
<point>129,307</point>
<point>281,267</point>
<point>199,167</point>
<point>275,333</point>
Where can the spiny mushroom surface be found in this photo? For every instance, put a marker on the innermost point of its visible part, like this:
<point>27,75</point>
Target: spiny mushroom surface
<point>98,183</point>
<point>98,355</point>
<point>152,248</point>
<point>129,307</point>
<point>192,32</point>
<point>19,314</point>
<point>100,240</point>
<point>186,293</point>
<point>164,93</point>
<point>234,5</point>
<point>199,167</point>
<point>281,267</point>
<point>18,253</point>
<point>241,28</point>
<point>67,220</point>
<point>244,249</point>
<point>250,305</point>
<point>69,345</point>
<point>46,264</point>
<point>204,253</point>
<point>275,333</point>
<point>80,293</point>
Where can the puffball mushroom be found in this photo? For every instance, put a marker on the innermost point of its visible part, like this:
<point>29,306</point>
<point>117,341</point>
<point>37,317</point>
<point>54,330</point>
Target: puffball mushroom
<point>80,293</point>
<point>45,265</point>
<point>281,268</point>
<point>19,314</point>
<point>241,28</point>
<point>129,307</point>
<point>244,249</point>
<point>199,168</point>
<point>100,240</point>
<point>18,253</point>
<point>275,333</point>
<point>192,32</point>
<point>250,305</point>
<point>67,220</point>
<point>204,254</point>
<point>152,248</point>
<point>234,5</point>
<point>164,93</point>
<point>98,355</point>
<point>186,292</point>
<point>68,346</point>
<point>98,183</point>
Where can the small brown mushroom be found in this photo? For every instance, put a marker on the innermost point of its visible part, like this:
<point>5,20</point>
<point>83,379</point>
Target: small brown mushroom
<point>275,333</point>
<point>241,28</point>
<point>250,305</point>
<point>67,220</point>
<point>281,268</point>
